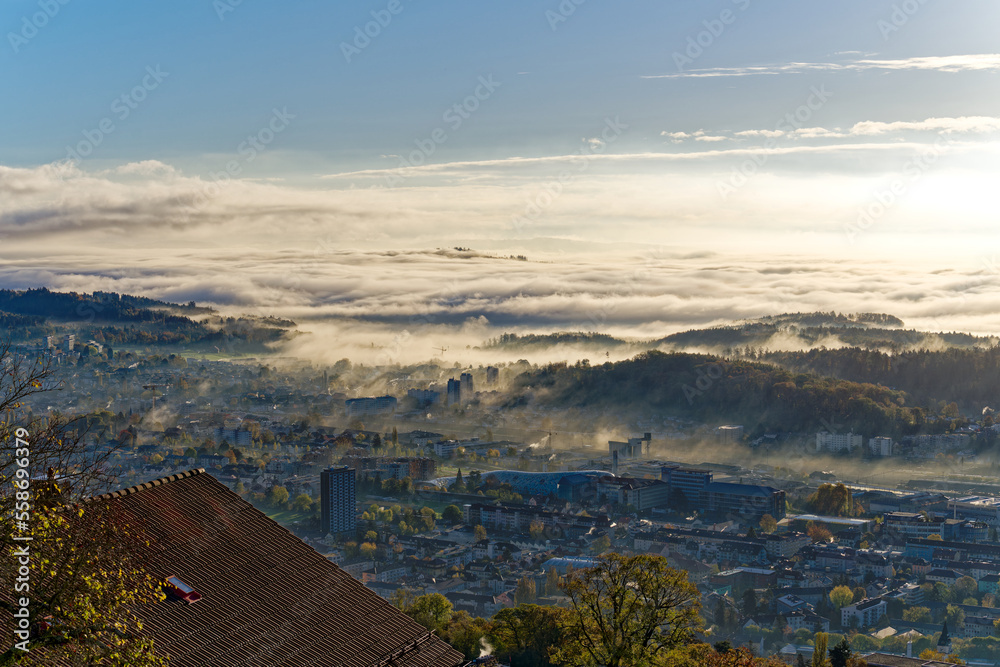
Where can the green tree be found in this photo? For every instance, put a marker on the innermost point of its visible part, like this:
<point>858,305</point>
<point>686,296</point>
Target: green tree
<point>840,655</point>
<point>465,633</point>
<point>768,524</point>
<point>917,615</point>
<point>629,610</point>
<point>552,581</point>
<point>601,544</point>
<point>431,611</point>
<point>302,502</point>
<point>277,497</point>
<point>841,596</point>
<point>525,634</point>
<point>525,591</point>
<point>954,616</point>
<point>819,650</point>
<point>453,514</point>
<point>964,587</point>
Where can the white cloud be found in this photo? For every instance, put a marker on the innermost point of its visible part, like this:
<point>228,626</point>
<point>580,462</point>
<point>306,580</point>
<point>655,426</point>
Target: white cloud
<point>964,124</point>
<point>981,62</point>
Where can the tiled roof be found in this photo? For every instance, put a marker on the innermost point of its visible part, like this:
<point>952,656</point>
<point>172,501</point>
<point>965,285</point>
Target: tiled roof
<point>267,597</point>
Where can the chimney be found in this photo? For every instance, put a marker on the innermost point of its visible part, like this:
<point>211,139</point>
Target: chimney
<point>909,649</point>
<point>614,463</point>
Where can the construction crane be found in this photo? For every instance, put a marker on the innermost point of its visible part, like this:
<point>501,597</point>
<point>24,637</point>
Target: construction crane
<point>442,350</point>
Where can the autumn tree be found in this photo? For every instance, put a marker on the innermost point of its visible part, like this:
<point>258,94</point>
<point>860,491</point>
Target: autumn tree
<point>819,650</point>
<point>525,591</point>
<point>87,565</point>
<point>453,514</point>
<point>629,610</point>
<point>431,611</point>
<point>841,596</point>
<point>525,634</point>
<point>768,524</point>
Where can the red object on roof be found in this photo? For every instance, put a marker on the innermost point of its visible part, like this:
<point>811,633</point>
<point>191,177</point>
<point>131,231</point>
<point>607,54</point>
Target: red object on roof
<point>182,590</point>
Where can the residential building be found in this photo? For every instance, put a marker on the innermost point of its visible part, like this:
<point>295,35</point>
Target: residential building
<point>880,446</point>
<point>863,614</point>
<point>338,501</point>
<point>837,442</point>
<point>729,434</point>
<point>454,395</point>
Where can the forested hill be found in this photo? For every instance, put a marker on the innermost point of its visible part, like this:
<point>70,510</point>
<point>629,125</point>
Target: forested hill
<point>970,378</point>
<point>99,306</point>
<point>789,331</point>
<point>123,319</point>
<point>761,396</point>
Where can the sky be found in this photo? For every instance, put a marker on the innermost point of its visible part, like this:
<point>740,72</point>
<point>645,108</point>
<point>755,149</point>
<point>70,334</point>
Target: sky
<point>659,164</point>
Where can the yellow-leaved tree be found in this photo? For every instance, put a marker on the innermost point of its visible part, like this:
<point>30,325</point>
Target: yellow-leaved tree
<point>75,569</point>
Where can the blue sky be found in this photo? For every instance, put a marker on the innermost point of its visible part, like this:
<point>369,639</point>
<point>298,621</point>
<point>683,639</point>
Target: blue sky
<point>227,74</point>
<point>811,138</point>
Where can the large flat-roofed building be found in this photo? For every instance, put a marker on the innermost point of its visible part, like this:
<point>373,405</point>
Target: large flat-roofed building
<point>687,482</point>
<point>338,501</point>
<point>696,489</point>
<point>642,494</point>
<point>375,405</point>
<point>749,501</point>
<point>837,442</point>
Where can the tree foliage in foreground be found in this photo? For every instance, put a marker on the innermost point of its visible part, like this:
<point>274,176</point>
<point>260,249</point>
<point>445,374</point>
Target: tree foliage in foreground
<point>628,611</point>
<point>86,570</point>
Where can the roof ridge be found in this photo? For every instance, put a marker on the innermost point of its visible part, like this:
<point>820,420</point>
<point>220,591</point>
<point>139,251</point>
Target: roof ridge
<point>121,493</point>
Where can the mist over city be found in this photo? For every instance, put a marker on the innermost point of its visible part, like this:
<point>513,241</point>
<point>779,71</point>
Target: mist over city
<point>569,333</point>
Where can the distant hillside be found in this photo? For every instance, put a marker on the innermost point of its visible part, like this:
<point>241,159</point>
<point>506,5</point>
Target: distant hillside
<point>789,331</point>
<point>969,377</point>
<point>99,306</point>
<point>122,319</point>
<point>761,396</point>
<point>541,341</point>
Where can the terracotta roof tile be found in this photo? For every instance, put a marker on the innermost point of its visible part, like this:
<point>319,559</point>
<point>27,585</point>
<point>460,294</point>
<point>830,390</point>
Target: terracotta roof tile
<point>268,599</point>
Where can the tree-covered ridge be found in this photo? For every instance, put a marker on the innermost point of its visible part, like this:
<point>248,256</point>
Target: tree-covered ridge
<point>833,319</point>
<point>121,319</point>
<point>99,306</point>
<point>777,336</point>
<point>969,377</point>
<point>785,331</point>
<point>713,390</point>
<point>513,340</point>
